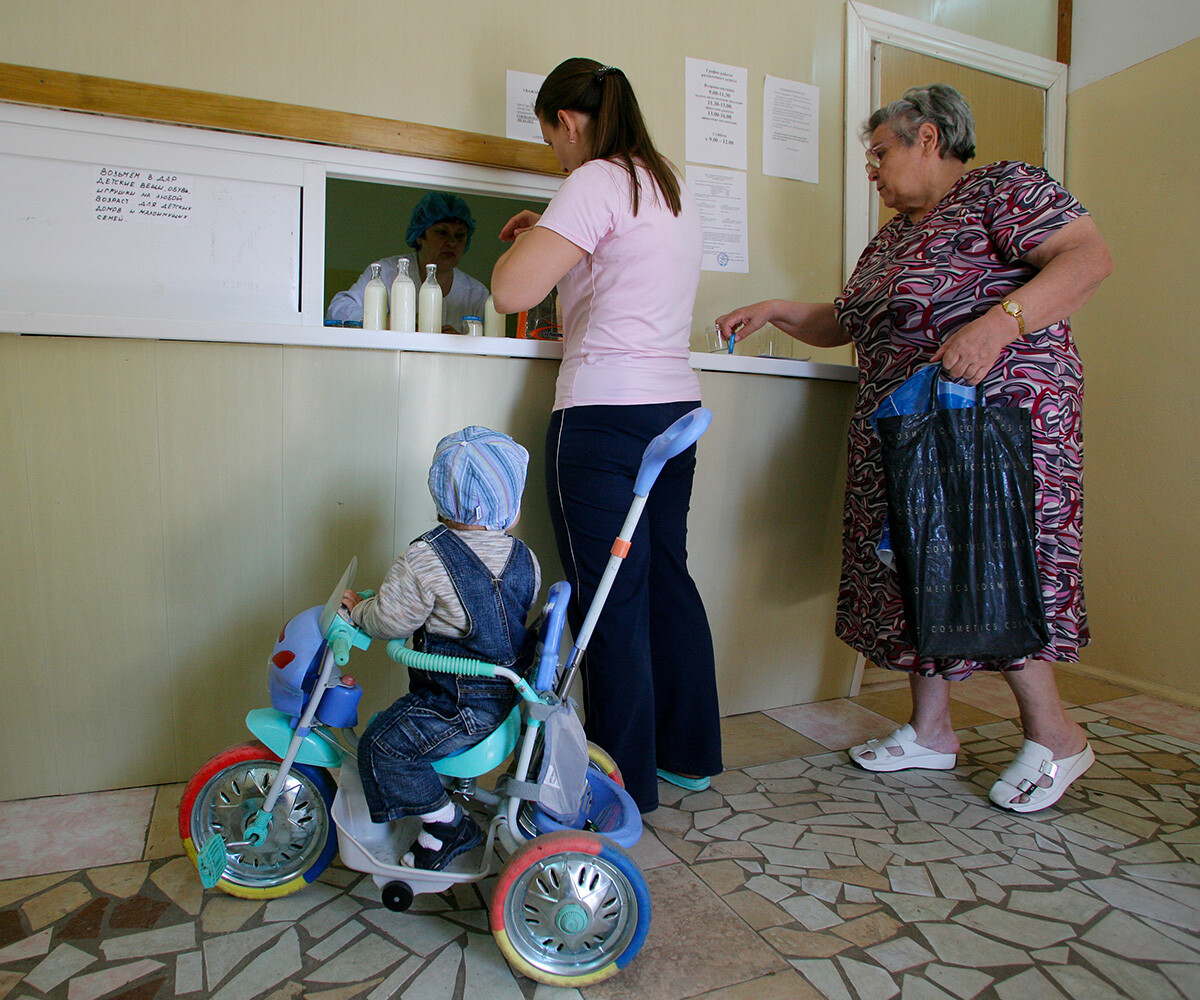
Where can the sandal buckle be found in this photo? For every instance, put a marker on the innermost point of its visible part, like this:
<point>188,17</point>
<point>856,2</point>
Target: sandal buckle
<point>1049,768</point>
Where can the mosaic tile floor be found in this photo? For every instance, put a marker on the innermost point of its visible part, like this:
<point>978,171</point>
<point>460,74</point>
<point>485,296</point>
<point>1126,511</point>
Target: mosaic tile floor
<point>795,876</point>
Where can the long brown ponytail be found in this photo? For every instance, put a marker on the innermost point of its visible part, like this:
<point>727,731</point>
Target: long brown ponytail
<point>618,131</point>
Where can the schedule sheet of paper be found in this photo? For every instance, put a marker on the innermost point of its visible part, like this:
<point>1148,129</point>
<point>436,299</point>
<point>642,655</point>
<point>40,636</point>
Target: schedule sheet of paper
<point>790,133</point>
<point>715,113</point>
<point>721,198</point>
<point>520,121</point>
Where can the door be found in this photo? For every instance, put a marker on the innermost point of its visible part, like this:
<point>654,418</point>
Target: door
<point>1010,116</point>
<point>1011,93</point>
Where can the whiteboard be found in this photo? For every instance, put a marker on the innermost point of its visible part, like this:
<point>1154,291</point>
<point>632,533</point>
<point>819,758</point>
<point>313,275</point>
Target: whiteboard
<point>136,226</point>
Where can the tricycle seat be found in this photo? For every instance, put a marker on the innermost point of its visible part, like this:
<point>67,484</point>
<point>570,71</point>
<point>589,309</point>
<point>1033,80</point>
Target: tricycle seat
<point>486,755</point>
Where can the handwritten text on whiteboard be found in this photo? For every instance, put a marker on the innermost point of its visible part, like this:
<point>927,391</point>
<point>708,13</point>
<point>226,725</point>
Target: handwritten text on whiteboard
<point>123,194</point>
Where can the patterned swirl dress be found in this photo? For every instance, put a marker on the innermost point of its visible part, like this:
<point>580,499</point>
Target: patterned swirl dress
<point>913,286</point>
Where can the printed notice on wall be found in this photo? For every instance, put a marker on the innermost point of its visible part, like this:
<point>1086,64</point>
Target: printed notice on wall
<point>721,197</point>
<point>790,118</point>
<point>522,91</point>
<point>122,194</point>
<point>716,114</point>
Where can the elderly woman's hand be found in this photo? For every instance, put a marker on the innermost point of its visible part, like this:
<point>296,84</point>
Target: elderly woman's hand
<point>972,350</point>
<point>744,321</point>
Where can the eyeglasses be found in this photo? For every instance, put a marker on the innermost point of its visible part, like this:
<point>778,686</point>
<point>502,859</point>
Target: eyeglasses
<point>875,153</point>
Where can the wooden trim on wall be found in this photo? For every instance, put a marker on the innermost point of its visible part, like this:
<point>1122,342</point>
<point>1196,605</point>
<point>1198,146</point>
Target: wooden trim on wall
<point>172,105</point>
<point>1064,31</point>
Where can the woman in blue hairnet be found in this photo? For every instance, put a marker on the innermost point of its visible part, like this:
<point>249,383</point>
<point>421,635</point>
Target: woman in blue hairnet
<point>439,232</point>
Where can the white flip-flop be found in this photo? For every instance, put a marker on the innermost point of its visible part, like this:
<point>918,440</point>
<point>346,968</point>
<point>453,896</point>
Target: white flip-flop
<point>1033,762</point>
<point>912,754</point>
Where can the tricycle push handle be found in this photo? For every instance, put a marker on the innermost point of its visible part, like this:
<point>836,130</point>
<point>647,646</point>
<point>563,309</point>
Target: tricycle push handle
<point>674,440</point>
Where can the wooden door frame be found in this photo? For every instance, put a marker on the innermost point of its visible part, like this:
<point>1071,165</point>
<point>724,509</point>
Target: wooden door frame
<point>865,26</point>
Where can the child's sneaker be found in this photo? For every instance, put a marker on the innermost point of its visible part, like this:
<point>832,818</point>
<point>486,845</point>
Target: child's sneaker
<point>455,838</point>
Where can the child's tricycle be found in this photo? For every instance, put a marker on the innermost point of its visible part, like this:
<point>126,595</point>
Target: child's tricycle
<point>570,907</point>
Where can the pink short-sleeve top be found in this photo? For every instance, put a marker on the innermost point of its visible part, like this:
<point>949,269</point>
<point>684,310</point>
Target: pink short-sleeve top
<point>627,305</point>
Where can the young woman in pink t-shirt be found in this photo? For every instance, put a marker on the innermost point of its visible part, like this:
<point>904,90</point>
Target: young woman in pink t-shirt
<point>622,241</point>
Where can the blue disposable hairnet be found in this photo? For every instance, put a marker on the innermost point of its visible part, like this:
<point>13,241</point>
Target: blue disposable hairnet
<point>437,206</point>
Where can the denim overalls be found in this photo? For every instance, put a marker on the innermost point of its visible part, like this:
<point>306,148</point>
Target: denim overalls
<point>443,713</point>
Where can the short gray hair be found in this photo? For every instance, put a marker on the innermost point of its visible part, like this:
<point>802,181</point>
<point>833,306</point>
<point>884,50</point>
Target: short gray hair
<point>938,104</point>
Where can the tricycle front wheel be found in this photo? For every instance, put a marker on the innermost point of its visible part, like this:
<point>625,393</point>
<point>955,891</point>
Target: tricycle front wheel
<point>226,794</point>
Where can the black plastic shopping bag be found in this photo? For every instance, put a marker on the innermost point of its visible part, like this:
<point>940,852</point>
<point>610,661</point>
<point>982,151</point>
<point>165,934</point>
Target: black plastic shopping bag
<point>960,505</point>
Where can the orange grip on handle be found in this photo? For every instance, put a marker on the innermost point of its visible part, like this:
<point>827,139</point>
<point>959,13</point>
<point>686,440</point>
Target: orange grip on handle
<point>620,548</point>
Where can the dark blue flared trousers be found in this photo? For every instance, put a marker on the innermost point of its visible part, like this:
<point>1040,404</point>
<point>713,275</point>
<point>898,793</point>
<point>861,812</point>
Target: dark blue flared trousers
<point>650,689</point>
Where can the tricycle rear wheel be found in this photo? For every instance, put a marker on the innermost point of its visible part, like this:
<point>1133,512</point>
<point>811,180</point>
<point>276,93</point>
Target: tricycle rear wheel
<point>570,908</point>
<point>602,761</point>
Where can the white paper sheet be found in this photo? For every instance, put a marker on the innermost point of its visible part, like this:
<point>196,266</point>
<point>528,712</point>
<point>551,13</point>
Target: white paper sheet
<point>721,198</point>
<point>791,114</point>
<point>715,113</point>
<point>520,121</point>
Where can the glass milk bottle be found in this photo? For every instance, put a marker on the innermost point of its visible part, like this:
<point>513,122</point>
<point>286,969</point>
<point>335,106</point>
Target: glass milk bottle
<point>493,321</point>
<point>429,308</point>
<point>374,302</point>
<point>403,317</point>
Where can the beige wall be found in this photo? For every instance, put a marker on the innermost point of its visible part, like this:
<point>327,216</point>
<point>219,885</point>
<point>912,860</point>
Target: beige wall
<point>167,505</point>
<point>1127,161</point>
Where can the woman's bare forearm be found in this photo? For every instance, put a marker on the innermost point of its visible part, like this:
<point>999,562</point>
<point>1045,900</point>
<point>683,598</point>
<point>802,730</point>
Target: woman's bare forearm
<point>813,323</point>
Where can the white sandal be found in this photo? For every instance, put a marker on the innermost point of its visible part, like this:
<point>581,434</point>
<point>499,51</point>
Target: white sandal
<point>912,754</point>
<point>1024,775</point>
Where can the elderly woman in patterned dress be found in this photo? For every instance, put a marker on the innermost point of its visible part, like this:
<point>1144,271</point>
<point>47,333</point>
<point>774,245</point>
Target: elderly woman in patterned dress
<point>979,270</point>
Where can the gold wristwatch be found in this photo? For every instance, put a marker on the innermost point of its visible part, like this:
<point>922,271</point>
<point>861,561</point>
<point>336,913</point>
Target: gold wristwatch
<point>1014,310</point>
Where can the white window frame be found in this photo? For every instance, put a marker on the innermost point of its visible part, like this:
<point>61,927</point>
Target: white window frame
<point>81,137</point>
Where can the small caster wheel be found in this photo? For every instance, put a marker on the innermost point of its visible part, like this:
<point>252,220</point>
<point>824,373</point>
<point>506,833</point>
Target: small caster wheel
<point>397,896</point>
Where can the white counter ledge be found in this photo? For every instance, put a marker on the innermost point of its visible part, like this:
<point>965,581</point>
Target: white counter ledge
<point>789,367</point>
<point>306,335</point>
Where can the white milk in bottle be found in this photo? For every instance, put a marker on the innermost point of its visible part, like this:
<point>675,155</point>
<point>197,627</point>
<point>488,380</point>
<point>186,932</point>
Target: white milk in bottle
<point>493,321</point>
<point>429,307</point>
<point>374,302</point>
<point>403,317</point>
